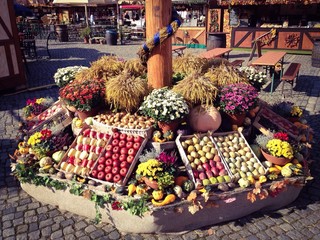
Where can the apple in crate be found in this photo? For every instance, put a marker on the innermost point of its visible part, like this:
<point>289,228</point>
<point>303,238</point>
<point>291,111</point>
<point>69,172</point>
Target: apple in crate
<point>101,175</point>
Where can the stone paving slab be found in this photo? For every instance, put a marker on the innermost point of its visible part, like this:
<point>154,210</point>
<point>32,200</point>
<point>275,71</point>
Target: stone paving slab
<point>22,217</point>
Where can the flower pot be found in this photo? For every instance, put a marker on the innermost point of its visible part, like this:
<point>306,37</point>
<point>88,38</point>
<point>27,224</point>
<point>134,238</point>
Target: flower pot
<point>150,183</point>
<point>236,119</point>
<point>85,114</point>
<point>281,161</point>
<point>169,126</point>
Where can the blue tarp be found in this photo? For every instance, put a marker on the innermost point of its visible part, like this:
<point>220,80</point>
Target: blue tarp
<point>21,10</point>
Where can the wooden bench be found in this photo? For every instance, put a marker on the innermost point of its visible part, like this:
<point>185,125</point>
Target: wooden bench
<point>237,63</point>
<point>290,75</point>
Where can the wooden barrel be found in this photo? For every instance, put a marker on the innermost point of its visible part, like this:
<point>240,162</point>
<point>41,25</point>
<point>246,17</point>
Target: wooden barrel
<point>62,31</point>
<point>315,60</point>
<point>216,40</point>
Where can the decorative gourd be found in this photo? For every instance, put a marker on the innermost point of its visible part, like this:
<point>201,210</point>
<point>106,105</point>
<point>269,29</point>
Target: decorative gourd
<point>203,119</point>
<point>45,161</point>
<point>141,189</point>
<point>168,199</point>
<point>157,194</point>
<point>57,156</point>
<point>131,189</point>
<point>188,186</point>
<point>178,191</point>
<point>120,190</point>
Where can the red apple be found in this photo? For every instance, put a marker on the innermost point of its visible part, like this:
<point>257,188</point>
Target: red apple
<point>108,177</point>
<point>124,164</point>
<point>101,175</point>
<point>116,178</point>
<point>115,142</point>
<point>90,163</point>
<point>84,162</point>
<point>116,163</point>
<point>93,148</point>
<point>101,160</point>
<point>215,171</point>
<point>108,162</point>
<point>98,150</point>
<point>129,145</point>
<point>109,147</point>
<point>136,145</point>
<point>106,136</point>
<point>71,160</point>
<point>86,132</point>
<point>123,157</point>
<point>94,173</point>
<point>100,167</point>
<point>79,147</point>
<point>100,135</point>
<point>138,139</point>
<point>107,169</point>
<point>108,154</point>
<point>195,173</point>
<point>124,150</point>
<point>123,172</point>
<point>115,170</point>
<point>122,143</point>
<point>86,147</point>
<point>220,165</point>
<point>116,135</point>
<point>123,136</point>
<point>132,152</point>
<point>130,159</point>
<point>116,149</point>
<point>222,172</point>
<point>93,134</point>
<point>115,156</point>
<point>130,138</point>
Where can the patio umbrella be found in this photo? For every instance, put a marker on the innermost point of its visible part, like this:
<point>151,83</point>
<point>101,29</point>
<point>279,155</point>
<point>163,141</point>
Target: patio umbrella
<point>21,10</point>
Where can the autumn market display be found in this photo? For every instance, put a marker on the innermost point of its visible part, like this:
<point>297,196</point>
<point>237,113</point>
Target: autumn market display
<point>119,162</point>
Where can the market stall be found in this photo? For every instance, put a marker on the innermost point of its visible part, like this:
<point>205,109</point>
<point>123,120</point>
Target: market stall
<point>144,154</point>
<point>296,23</point>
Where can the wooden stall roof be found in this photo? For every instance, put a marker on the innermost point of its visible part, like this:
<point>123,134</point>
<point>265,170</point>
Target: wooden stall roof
<point>263,2</point>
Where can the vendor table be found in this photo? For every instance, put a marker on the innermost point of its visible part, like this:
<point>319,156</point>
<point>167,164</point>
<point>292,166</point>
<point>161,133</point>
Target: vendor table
<point>178,50</point>
<point>216,52</point>
<point>270,60</point>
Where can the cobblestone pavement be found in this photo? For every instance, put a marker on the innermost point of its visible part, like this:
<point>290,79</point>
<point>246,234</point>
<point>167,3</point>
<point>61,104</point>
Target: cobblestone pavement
<point>22,217</point>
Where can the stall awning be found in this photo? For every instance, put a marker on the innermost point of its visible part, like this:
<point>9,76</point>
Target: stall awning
<point>189,1</point>
<point>82,2</point>
<point>133,7</point>
<point>263,2</point>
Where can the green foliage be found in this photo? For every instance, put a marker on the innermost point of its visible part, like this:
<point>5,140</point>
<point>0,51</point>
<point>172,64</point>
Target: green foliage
<point>85,33</point>
<point>136,206</point>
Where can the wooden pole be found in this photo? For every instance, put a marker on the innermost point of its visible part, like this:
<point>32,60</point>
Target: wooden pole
<point>158,15</point>
<point>86,14</point>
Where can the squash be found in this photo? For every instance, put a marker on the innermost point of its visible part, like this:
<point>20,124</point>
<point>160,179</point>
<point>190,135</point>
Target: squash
<point>203,119</point>
<point>131,189</point>
<point>188,186</point>
<point>157,194</point>
<point>45,161</point>
<point>168,199</point>
<point>180,180</point>
<point>141,189</point>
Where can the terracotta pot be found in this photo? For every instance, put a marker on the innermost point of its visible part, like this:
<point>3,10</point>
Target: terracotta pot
<point>165,127</point>
<point>85,114</point>
<point>237,119</point>
<point>275,160</point>
<point>150,183</point>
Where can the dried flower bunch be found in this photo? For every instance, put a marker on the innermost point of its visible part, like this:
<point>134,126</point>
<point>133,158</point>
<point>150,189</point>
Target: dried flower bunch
<point>63,76</point>
<point>164,105</point>
<point>197,89</point>
<point>126,92</point>
<point>83,95</point>
<point>237,98</point>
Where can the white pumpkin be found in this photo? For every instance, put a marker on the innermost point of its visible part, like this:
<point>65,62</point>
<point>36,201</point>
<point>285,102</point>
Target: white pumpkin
<point>203,119</point>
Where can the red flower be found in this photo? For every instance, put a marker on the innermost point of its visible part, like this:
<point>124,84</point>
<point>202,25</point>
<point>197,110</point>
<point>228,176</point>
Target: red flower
<point>116,206</point>
<point>281,135</point>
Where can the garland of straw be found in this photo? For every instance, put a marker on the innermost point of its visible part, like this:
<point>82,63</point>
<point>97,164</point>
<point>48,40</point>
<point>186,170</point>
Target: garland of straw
<point>165,32</point>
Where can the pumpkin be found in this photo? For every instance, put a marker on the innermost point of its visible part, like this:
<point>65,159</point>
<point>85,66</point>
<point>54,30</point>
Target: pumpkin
<point>180,180</point>
<point>203,118</point>
<point>45,161</point>
<point>157,194</point>
<point>188,186</point>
